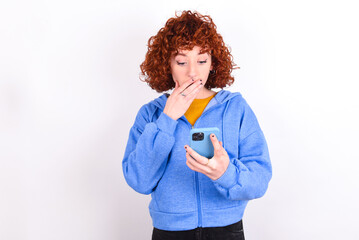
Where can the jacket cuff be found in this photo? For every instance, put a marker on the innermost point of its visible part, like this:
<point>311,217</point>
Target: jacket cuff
<point>228,179</point>
<point>166,124</point>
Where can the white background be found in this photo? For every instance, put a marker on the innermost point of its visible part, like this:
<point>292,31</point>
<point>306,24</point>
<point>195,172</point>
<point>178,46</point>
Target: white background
<point>69,93</point>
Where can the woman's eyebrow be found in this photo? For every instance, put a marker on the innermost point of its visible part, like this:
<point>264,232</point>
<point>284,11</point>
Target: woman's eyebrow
<point>182,54</point>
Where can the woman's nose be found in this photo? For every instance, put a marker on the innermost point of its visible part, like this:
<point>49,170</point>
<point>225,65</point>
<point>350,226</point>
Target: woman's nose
<point>192,70</point>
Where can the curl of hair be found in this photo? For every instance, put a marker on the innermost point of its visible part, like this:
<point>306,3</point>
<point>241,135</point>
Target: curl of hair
<point>183,33</point>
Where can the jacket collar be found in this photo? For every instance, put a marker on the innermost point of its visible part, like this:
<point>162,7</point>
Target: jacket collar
<point>221,97</point>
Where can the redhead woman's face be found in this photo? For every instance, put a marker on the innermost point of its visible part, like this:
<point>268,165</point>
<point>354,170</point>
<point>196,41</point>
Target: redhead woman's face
<point>188,64</point>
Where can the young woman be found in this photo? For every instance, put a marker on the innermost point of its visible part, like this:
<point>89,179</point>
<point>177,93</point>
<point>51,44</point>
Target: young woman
<point>194,197</point>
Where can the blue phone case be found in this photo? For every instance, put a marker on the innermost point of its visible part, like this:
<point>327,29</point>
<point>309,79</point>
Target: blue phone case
<point>203,146</point>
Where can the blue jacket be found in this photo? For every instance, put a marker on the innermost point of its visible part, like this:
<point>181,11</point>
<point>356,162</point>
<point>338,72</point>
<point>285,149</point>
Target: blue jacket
<point>182,199</point>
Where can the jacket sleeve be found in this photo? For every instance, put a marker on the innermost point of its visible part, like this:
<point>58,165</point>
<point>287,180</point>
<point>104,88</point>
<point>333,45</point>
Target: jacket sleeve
<point>148,147</point>
<point>247,176</point>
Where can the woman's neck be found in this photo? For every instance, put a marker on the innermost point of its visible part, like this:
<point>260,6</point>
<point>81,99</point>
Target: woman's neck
<point>205,93</point>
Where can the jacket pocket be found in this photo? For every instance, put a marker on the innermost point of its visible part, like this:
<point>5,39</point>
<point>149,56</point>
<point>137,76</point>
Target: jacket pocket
<point>175,192</point>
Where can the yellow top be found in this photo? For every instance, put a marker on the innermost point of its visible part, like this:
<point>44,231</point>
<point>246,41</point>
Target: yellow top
<point>197,107</point>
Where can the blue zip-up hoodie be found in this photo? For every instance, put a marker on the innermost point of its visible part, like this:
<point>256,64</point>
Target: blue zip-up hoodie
<point>182,199</point>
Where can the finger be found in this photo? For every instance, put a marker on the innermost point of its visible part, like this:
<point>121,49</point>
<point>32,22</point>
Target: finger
<point>202,160</point>
<point>194,91</point>
<point>190,88</point>
<point>196,166</point>
<point>221,143</point>
<point>192,167</point>
<point>185,85</point>
<point>216,144</point>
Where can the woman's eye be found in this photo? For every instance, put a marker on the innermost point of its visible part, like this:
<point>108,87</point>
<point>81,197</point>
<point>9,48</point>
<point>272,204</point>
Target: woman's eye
<point>181,63</point>
<point>203,62</point>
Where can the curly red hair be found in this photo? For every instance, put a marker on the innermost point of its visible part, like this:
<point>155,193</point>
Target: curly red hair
<point>183,33</point>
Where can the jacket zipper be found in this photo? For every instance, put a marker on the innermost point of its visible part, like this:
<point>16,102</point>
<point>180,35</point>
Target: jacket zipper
<point>198,195</point>
<point>198,201</point>
<point>197,179</point>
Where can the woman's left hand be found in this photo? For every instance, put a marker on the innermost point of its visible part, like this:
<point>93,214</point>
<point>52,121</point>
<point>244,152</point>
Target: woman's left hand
<point>214,167</point>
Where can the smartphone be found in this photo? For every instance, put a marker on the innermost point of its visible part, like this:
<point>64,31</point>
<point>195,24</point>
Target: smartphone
<point>200,140</point>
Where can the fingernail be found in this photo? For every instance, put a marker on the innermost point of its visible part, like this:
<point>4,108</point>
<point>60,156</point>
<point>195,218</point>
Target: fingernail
<point>212,135</point>
<point>201,83</point>
<point>185,147</point>
<point>192,79</point>
<point>201,80</point>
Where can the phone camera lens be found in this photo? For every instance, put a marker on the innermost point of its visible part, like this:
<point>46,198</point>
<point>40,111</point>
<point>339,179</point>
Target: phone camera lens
<point>199,136</point>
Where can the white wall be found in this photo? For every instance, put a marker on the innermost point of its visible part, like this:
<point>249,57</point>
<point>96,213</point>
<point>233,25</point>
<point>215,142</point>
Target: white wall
<point>69,92</point>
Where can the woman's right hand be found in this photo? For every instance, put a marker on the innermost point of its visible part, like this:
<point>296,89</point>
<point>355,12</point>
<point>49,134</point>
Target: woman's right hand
<point>177,104</point>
